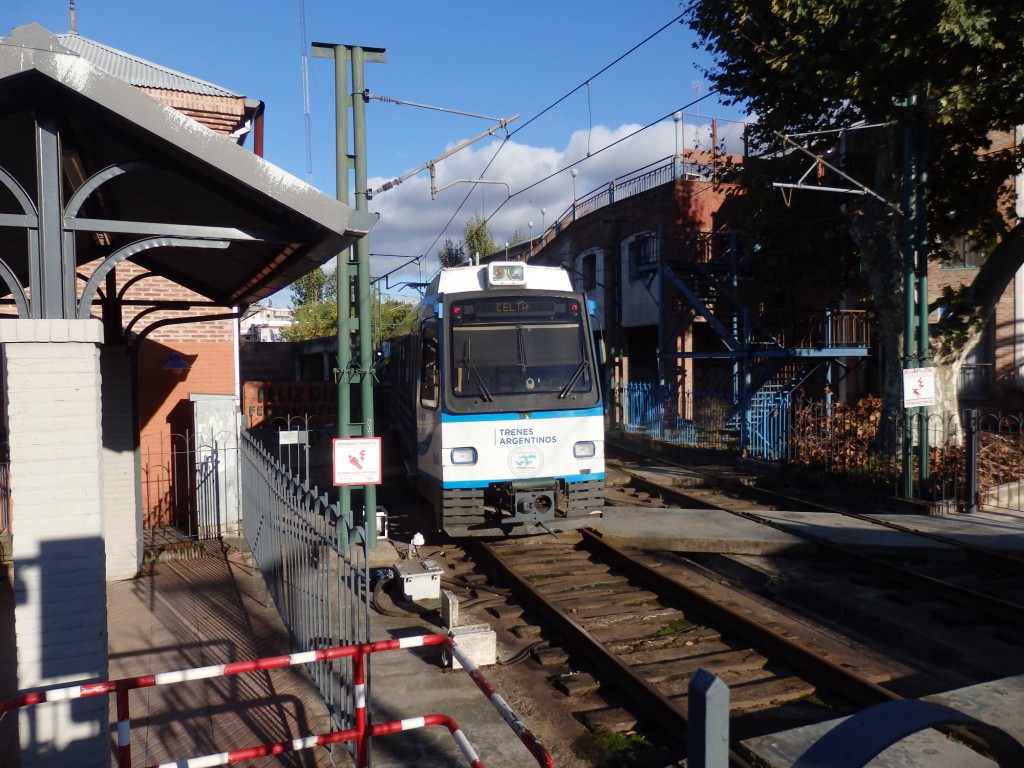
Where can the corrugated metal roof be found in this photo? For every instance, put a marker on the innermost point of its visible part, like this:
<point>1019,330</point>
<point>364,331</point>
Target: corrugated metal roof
<point>136,71</point>
<point>268,228</point>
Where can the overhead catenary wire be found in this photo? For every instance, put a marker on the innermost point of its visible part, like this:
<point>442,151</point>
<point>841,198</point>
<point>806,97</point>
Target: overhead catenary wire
<point>584,84</point>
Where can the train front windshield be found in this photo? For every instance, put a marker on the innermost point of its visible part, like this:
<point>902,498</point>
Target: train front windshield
<point>520,353</point>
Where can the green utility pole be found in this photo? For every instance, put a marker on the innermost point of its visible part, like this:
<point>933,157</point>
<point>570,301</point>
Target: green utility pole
<point>916,352</point>
<point>355,56</point>
<point>613,322</point>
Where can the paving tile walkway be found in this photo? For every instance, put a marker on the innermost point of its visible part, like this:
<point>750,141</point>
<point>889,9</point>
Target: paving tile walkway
<point>196,613</point>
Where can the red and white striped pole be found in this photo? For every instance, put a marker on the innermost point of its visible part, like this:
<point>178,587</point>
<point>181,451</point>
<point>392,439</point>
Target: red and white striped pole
<point>360,733</point>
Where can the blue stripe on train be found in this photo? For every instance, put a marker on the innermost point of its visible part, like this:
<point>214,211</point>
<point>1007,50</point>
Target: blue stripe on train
<point>471,484</point>
<point>449,418</point>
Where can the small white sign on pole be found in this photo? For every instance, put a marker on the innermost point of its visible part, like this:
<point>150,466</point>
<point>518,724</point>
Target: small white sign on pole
<point>293,437</point>
<point>357,461</point>
<point>918,387</point>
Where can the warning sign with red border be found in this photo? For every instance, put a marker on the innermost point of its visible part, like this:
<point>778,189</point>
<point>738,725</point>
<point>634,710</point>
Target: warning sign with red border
<point>357,461</point>
<point>918,387</point>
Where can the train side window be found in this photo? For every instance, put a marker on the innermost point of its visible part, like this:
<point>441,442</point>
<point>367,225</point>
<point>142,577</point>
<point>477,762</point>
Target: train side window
<point>428,368</point>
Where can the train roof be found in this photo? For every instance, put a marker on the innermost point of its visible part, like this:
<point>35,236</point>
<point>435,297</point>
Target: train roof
<point>475,278</point>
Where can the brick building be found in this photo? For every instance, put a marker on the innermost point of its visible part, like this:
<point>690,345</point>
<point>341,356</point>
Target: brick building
<point>132,236</point>
<point>687,325</point>
<point>687,309</point>
<point>993,376</point>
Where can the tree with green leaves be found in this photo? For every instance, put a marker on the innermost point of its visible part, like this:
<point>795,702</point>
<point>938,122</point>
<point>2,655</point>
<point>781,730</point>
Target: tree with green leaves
<point>478,238</point>
<point>821,69</point>
<point>390,314</point>
<point>315,306</point>
<point>477,241</point>
<point>314,320</point>
<point>451,254</point>
<point>314,286</point>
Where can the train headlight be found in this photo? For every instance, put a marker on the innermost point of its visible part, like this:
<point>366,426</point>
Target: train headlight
<point>584,449</point>
<point>506,273</point>
<point>463,455</point>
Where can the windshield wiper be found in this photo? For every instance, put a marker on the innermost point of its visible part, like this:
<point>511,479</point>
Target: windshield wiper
<point>522,348</point>
<point>575,377</point>
<point>484,392</point>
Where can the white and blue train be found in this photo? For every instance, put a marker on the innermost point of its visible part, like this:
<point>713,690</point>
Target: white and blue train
<point>497,397</point>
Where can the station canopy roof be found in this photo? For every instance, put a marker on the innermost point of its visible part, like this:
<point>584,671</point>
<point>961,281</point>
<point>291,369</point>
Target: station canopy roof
<point>173,178</point>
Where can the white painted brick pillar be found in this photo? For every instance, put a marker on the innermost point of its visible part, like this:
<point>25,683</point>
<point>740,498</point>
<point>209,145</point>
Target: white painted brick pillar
<point>122,516</point>
<point>52,396</point>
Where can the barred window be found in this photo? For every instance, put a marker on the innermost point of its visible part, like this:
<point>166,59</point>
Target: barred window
<point>962,253</point>
<point>643,255</point>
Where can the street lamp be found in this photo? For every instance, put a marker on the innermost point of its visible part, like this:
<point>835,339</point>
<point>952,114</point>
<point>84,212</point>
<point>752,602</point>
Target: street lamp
<point>506,250</point>
<point>574,173</point>
<point>543,226</point>
<point>530,225</point>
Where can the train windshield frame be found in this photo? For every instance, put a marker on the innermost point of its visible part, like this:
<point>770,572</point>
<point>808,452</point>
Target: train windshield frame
<point>519,351</point>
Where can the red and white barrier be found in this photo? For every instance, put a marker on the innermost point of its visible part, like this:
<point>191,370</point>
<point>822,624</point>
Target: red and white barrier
<point>359,734</point>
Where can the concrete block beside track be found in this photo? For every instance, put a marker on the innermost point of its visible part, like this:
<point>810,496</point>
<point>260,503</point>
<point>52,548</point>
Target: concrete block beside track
<point>861,535</point>
<point>1001,530</point>
<point>694,530</point>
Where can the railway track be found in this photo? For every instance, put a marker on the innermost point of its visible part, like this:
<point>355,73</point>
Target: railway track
<point>979,579</point>
<point>645,622</point>
<point>626,629</point>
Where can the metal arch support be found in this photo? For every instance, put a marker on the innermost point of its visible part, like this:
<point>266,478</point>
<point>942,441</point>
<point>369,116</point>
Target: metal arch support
<point>99,178</point>
<point>31,214</point>
<point>127,252</point>
<point>182,320</point>
<point>855,741</point>
<point>27,206</point>
<point>17,289</point>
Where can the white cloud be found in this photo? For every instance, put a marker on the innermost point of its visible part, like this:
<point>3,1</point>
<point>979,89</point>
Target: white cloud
<point>414,225</point>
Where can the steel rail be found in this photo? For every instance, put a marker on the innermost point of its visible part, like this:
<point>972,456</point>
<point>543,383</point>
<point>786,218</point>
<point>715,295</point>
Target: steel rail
<point>966,736</point>
<point>995,606</point>
<point>653,702</point>
<point>800,657</point>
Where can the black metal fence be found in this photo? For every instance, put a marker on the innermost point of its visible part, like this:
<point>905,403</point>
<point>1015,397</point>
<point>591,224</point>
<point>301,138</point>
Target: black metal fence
<point>315,562</point>
<point>974,460</point>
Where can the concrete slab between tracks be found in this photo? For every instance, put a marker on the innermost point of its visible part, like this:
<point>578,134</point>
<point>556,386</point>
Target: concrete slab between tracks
<point>676,477</point>
<point>694,530</point>
<point>998,703</point>
<point>859,534</point>
<point>1000,530</point>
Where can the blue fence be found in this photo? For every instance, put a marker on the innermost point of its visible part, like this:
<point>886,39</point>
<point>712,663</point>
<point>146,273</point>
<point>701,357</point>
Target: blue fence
<point>697,421</point>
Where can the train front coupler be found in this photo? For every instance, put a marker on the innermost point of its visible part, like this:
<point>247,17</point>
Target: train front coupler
<point>530,501</point>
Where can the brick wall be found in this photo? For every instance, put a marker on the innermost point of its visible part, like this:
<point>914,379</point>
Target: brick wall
<point>164,414</point>
<point>53,408</point>
<point>122,528</point>
<point>1005,394</point>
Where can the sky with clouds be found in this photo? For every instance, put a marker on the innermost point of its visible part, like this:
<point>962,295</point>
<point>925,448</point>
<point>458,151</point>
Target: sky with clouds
<point>594,82</point>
